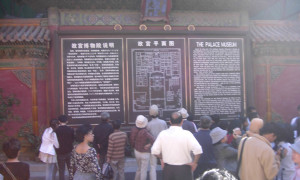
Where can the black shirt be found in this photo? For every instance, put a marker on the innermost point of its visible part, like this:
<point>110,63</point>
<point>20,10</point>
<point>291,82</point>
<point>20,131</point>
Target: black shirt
<point>65,136</point>
<point>19,169</point>
<point>102,132</point>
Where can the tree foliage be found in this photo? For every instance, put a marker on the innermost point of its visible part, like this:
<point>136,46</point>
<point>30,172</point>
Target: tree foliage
<point>6,105</point>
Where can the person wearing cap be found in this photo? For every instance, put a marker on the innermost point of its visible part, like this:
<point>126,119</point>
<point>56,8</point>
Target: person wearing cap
<point>226,155</point>
<point>296,158</point>
<point>101,134</point>
<point>187,125</point>
<point>258,159</point>
<point>207,159</point>
<point>65,137</point>
<point>174,147</point>
<point>141,140</point>
<point>155,126</point>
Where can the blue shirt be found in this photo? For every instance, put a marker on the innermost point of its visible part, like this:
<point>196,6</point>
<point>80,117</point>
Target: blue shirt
<point>205,141</point>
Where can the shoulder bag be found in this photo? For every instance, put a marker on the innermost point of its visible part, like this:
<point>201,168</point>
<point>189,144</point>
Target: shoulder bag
<point>240,158</point>
<point>8,171</point>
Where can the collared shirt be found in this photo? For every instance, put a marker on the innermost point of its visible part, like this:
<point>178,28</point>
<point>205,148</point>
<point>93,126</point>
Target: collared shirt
<point>140,137</point>
<point>176,145</point>
<point>155,126</point>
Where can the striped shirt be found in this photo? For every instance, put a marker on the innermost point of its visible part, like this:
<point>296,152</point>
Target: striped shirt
<point>116,145</point>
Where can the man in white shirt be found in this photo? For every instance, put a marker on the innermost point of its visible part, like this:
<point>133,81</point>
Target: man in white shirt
<point>155,126</point>
<point>174,146</point>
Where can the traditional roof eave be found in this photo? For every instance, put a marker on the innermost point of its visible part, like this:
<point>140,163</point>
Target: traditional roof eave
<point>23,31</point>
<point>274,31</point>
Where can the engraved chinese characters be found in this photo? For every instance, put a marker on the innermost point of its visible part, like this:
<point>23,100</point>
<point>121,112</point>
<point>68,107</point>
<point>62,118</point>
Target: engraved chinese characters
<point>92,78</point>
<point>156,68</point>
<point>217,78</point>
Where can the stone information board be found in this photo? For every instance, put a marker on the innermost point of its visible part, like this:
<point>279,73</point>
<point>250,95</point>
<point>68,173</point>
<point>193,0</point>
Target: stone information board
<point>217,77</point>
<point>155,75</point>
<point>92,78</point>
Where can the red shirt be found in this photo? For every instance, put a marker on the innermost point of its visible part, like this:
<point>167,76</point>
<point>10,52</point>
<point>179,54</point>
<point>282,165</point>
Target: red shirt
<point>140,137</point>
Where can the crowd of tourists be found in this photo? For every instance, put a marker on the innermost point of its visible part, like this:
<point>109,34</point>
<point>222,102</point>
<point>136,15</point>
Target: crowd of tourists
<point>247,148</point>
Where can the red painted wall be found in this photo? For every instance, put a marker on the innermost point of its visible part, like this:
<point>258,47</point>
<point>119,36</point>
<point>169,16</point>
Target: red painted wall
<point>11,85</point>
<point>285,93</point>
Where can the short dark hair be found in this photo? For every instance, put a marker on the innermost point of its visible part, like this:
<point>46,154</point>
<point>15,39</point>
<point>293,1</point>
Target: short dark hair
<point>81,131</point>
<point>269,128</point>
<point>104,116</point>
<point>215,118</point>
<point>53,123</point>
<point>286,133</point>
<point>236,123</point>
<point>223,125</point>
<point>205,122</point>
<point>11,148</point>
<point>252,115</point>
<point>217,174</point>
<point>116,124</point>
<point>176,118</point>
<point>251,109</point>
<point>62,118</point>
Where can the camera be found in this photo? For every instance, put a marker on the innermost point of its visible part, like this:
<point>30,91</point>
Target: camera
<point>282,149</point>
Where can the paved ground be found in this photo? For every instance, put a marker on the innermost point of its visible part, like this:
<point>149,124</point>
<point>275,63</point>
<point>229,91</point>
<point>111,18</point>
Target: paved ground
<point>37,170</point>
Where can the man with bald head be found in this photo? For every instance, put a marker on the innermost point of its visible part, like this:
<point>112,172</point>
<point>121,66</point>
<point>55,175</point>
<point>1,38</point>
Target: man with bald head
<point>258,160</point>
<point>255,126</point>
<point>174,146</point>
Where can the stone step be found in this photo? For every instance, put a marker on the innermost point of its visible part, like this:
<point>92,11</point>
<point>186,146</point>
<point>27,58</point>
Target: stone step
<point>130,164</point>
<point>38,169</point>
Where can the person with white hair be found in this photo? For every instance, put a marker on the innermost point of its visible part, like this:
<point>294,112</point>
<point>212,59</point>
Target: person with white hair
<point>141,140</point>
<point>155,126</point>
<point>102,132</point>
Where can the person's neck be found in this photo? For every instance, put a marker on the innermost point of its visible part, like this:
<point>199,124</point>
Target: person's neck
<point>63,124</point>
<point>85,143</point>
<point>116,130</point>
<point>177,125</point>
<point>13,160</point>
